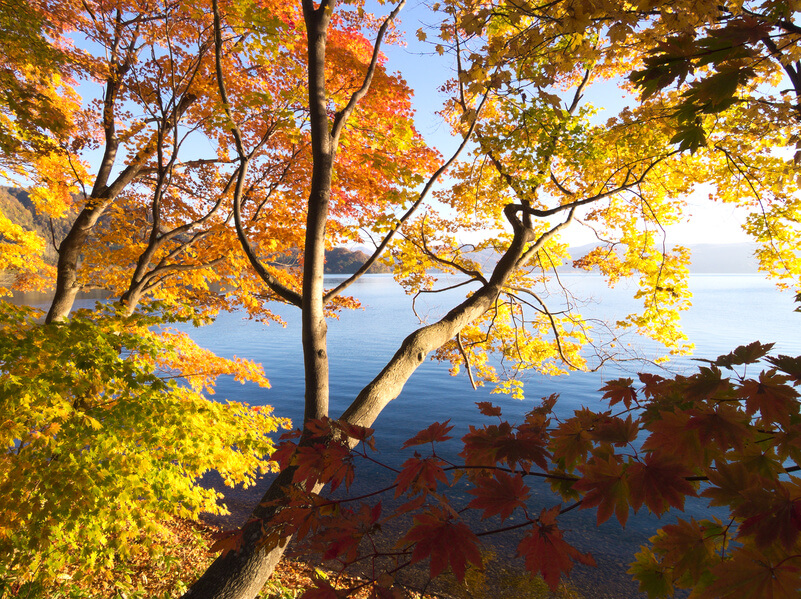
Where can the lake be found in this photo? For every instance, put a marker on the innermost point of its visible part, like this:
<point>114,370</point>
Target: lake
<point>728,310</point>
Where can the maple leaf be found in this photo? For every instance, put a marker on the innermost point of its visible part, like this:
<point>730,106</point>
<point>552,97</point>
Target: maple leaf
<point>571,442</point>
<point>729,480</point>
<point>686,546</point>
<point>653,576</point>
<point>499,495</point>
<point>324,463</point>
<point>322,590</point>
<point>437,535</point>
<point>725,424</point>
<point>420,475</point>
<point>771,397</point>
<point>604,485</point>
<point>752,574</point>
<point>486,408</point>
<point>772,512</point>
<point>788,365</point>
<point>436,433</point>
<point>620,390</point>
<point>614,430</point>
<point>481,444</point>
<point>671,434</point>
<point>227,540</point>
<point>354,431</point>
<point>744,354</point>
<point>545,551</point>
<point>660,483</point>
<point>706,383</point>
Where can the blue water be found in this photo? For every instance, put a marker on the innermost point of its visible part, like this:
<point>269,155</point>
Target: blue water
<point>728,310</point>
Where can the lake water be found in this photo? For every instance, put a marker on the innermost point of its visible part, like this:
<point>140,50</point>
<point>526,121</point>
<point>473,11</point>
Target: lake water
<point>728,310</point>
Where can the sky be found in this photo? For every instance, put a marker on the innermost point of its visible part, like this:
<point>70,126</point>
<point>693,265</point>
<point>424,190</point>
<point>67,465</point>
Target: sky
<point>425,71</point>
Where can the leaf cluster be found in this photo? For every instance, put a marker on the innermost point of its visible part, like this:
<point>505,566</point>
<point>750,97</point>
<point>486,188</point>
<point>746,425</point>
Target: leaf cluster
<point>103,440</point>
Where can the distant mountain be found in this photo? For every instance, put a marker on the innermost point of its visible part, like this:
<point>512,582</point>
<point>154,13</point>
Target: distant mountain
<point>345,261</point>
<point>705,258</point>
<point>17,206</point>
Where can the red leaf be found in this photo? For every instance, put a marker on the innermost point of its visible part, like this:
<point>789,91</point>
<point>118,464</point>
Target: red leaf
<point>420,475</point>
<point>751,574</point>
<point>486,408</point>
<point>609,429</point>
<point>604,485</point>
<point>771,397</point>
<point>772,512</point>
<point>499,495</point>
<point>687,546</point>
<point>725,425</point>
<point>437,535</point>
<point>435,433</point>
<point>620,390</point>
<point>323,590</point>
<point>571,442</point>
<point>354,431</point>
<point>547,553</point>
<point>227,540</point>
<point>324,463</point>
<point>660,483</point>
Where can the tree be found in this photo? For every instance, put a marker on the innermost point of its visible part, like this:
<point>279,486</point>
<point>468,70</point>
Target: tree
<point>628,171</point>
<point>538,163</point>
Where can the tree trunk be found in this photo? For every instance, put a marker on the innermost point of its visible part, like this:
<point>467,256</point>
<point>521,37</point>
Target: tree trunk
<point>67,285</point>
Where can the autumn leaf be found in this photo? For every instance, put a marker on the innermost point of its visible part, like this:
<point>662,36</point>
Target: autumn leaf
<point>660,483</point>
<point>436,433</point>
<point>788,365</point>
<point>771,513</point>
<point>744,354</point>
<point>420,475</point>
<point>227,540</point>
<point>671,434</point>
<point>771,397</point>
<point>486,408</point>
<point>571,441</point>
<point>501,494</point>
<point>751,574</point>
<point>619,432</point>
<point>437,535</point>
<point>725,424</point>
<point>620,390</point>
<point>604,486</point>
<point>546,553</point>
<point>322,590</point>
<point>654,577</point>
<point>686,546</point>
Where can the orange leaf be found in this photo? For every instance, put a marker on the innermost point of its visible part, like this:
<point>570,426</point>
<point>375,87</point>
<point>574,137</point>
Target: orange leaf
<point>660,483</point>
<point>547,553</point>
<point>620,390</point>
<point>437,535</point>
<point>604,485</point>
<point>771,397</point>
<point>499,495</point>
<point>486,408</point>
<point>420,475</point>
<point>751,574</point>
<point>435,433</point>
